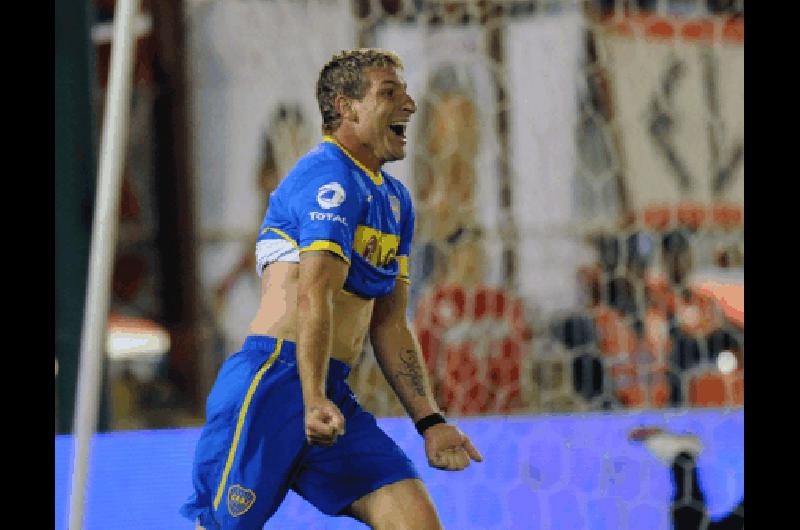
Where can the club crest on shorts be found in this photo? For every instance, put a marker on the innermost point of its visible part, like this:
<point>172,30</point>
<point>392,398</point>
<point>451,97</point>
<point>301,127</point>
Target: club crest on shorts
<point>394,202</point>
<point>240,499</point>
<point>330,195</point>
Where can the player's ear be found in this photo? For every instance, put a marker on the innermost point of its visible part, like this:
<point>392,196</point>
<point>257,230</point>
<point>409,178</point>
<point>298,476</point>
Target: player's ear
<point>344,106</point>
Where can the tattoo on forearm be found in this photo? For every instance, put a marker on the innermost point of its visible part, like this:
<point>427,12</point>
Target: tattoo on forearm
<point>412,371</point>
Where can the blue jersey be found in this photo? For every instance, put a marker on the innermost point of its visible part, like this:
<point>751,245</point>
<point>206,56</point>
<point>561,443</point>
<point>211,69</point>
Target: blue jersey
<point>330,201</point>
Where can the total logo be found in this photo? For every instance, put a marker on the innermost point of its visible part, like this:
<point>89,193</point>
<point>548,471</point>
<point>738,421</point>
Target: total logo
<point>330,195</point>
<point>327,216</point>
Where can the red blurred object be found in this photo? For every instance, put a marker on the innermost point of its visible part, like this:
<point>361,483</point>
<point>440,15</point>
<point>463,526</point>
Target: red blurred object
<point>691,214</point>
<point>657,217</point>
<point>729,296</point>
<point>614,335</point>
<point>640,385</point>
<point>727,215</point>
<point>473,340</point>
<point>714,389</point>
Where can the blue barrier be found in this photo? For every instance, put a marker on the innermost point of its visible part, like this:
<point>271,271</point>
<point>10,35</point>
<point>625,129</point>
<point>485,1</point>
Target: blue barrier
<point>540,472</point>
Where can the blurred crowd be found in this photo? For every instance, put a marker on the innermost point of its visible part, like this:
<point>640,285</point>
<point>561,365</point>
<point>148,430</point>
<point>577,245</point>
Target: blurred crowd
<point>661,325</point>
<point>661,320</point>
<point>656,330</point>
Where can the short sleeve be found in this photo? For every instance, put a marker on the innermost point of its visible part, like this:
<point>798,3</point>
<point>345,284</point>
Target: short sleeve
<point>327,206</point>
<point>404,248</point>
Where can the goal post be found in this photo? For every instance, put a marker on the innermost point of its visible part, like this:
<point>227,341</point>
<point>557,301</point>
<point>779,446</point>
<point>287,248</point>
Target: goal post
<point>101,258</point>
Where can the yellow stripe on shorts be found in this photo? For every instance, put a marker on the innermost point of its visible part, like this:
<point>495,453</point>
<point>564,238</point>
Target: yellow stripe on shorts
<point>239,424</point>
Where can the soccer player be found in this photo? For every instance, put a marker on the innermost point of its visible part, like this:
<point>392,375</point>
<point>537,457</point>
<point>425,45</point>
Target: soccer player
<point>333,256</point>
<point>680,452</point>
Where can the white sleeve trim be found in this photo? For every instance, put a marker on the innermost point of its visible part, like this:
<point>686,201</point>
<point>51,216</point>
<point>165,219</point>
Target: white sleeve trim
<point>272,250</point>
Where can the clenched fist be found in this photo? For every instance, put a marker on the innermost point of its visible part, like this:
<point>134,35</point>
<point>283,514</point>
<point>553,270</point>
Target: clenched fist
<point>448,448</point>
<point>324,422</point>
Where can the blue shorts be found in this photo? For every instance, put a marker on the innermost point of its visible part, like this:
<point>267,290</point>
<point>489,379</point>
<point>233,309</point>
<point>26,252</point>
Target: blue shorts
<point>253,449</point>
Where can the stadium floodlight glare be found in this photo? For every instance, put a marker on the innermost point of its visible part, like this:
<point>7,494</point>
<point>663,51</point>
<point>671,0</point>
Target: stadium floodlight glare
<point>104,232</point>
<point>124,345</point>
<point>726,362</point>
<point>135,339</point>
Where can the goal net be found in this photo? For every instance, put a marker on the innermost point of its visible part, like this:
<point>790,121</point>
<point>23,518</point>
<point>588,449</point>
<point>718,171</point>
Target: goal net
<point>577,173</point>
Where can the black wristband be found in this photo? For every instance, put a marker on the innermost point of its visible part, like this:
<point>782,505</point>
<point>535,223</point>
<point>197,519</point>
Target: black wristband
<point>429,421</point>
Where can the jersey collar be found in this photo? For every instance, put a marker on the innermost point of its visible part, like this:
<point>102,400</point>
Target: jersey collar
<point>377,178</point>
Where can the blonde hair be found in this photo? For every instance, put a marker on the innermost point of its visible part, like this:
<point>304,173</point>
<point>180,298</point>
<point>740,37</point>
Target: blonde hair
<point>345,75</point>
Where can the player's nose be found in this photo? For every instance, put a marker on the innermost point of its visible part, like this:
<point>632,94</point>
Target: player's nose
<point>409,105</point>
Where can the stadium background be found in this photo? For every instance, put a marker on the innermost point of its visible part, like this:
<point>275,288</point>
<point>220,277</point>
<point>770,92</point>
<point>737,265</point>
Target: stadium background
<point>577,170</point>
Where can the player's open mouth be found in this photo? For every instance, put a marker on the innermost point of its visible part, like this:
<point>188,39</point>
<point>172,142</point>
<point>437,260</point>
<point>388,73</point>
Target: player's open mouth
<point>399,129</point>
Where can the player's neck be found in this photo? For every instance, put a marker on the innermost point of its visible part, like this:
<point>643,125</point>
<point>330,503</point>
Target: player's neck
<point>357,150</point>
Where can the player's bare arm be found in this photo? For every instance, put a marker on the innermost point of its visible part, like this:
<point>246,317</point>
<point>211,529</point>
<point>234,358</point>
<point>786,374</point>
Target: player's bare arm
<point>321,277</point>
<point>316,328</point>
<point>400,358</point>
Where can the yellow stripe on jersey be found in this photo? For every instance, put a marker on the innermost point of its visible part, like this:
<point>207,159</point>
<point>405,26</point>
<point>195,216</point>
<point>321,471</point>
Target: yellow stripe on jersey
<point>240,424</point>
<point>376,247</point>
<point>281,233</point>
<point>402,272</point>
<point>326,245</point>
<point>377,178</point>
